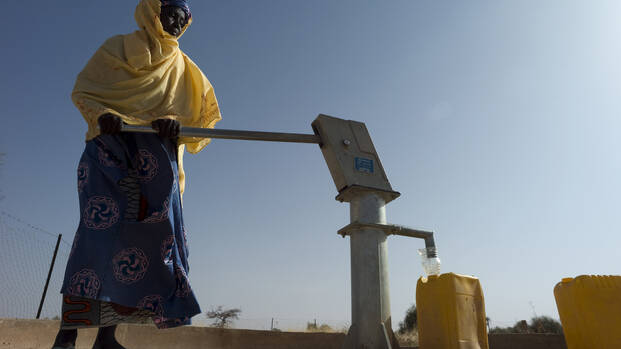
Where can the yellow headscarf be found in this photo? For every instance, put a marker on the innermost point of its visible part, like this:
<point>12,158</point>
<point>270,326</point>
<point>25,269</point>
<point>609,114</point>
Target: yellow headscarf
<point>144,76</point>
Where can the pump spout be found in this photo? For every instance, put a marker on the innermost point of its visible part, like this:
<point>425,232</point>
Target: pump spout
<point>393,229</point>
<point>430,245</point>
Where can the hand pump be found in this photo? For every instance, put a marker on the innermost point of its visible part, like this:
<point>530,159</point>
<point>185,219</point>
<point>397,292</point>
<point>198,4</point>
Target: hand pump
<point>360,180</point>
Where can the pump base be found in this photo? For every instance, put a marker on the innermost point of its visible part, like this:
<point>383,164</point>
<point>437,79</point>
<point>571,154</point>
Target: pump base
<point>385,339</point>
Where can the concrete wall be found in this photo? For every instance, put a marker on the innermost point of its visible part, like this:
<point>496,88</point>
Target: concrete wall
<point>527,341</point>
<point>33,334</point>
<point>39,334</point>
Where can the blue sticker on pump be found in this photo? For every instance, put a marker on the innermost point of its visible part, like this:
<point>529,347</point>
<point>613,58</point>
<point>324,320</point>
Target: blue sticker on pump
<point>364,165</point>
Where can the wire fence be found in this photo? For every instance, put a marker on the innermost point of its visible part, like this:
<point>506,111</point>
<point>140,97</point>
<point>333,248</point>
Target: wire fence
<point>25,255</point>
<point>281,324</point>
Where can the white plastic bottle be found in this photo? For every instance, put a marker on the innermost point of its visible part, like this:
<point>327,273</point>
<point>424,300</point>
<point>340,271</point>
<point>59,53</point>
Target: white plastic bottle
<point>431,265</point>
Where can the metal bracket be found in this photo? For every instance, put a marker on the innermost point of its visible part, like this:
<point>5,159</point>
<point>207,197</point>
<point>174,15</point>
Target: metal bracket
<point>350,192</point>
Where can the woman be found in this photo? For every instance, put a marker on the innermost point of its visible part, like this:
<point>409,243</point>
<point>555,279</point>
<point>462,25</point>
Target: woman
<point>129,257</point>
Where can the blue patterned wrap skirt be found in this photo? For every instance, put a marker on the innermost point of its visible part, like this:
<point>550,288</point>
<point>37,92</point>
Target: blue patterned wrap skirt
<point>129,255</point>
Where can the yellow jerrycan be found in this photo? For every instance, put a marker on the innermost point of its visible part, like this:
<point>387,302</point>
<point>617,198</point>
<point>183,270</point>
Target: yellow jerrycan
<point>451,312</point>
<point>590,311</point>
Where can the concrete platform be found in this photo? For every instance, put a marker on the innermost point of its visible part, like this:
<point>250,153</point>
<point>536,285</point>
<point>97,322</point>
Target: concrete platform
<point>39,334</point>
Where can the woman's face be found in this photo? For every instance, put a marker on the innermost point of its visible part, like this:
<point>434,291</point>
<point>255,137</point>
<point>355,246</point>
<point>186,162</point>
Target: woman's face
<point>173,20</point>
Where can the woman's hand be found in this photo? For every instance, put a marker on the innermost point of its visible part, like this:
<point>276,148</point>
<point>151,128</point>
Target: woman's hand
<point>109,124</point>
<point>166,128</point>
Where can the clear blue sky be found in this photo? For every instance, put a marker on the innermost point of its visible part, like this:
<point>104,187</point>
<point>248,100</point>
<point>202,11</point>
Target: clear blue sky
<point>498,121</point>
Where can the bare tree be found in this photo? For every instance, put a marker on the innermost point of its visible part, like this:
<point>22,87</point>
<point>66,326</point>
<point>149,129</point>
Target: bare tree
<point>223,318</point>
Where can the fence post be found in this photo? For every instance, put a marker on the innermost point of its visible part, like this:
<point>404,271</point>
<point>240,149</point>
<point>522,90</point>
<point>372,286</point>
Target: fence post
<point>49,275</point>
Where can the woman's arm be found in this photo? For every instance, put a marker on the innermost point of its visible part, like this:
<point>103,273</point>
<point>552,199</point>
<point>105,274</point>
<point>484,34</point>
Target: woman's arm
<point>109,124</point>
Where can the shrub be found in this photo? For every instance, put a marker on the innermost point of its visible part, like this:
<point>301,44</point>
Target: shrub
<point>410,321</point>
<point>538,324</point>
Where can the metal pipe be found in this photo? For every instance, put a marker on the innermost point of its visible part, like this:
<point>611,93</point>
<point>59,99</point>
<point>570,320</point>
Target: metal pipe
<point>426,235</point>
<point>370,294</point>
<point>49,275</point>
<point>234,134</point>
<point>393,229</point>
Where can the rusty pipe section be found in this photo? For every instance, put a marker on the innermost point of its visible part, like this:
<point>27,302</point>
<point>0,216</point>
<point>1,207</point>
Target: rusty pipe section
<point>393,229</point>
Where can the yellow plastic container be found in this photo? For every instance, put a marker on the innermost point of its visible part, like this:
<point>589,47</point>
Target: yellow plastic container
<point>451,313</point>
<point>590,311</point>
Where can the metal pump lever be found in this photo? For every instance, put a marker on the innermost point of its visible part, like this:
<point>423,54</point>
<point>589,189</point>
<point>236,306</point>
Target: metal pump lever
<point>233,134</point>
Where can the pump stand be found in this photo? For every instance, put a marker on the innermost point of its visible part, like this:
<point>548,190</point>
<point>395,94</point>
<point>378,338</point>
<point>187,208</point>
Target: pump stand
<point>370,295</point>
<point>361,180</point>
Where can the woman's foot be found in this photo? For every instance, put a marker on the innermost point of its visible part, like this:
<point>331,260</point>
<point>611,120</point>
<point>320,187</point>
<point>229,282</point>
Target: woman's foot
<point>105,339</point>
<point>65,339</point>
